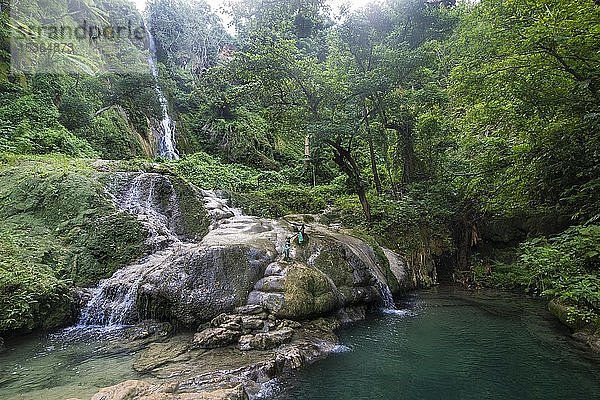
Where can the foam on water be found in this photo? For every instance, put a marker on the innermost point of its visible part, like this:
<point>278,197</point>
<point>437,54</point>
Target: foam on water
<point>341,348</point>
<point>398,313</point>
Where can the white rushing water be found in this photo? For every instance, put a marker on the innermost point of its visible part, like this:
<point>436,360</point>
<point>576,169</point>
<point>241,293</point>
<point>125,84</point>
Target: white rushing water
<point>113,302</point>
<point>386,295</point>
<point>153,200</point>
<point>166,140</point>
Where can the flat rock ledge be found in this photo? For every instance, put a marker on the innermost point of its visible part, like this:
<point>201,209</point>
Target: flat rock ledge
<point>233,357</point>
<point>136,389</point>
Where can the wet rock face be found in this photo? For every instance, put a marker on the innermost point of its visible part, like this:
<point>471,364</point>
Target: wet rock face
<point>150,329</point>
<point>169,208</point>
<point>201,282</point>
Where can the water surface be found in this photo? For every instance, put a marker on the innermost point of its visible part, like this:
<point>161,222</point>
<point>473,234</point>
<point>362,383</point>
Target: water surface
<point>442,344</point>
<point>450,344</point>
<point>67,364</point>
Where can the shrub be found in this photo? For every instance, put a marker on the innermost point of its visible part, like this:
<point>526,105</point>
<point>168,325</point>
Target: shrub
<point>111,136</point>
<point>31,295</point>
<point>565,266</point>
<point>207,172</point>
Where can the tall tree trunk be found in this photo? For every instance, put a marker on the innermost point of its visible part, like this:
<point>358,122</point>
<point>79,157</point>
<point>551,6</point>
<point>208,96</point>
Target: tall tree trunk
<point>404,129</point>
<point>372,155</point>
<point>376,178</point>
<point>364,202</point>
<point>409,159</point>
<point>343,158</point>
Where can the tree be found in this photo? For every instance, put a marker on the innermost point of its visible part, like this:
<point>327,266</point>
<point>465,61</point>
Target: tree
<point>188,34</point>
<point>525,94</point>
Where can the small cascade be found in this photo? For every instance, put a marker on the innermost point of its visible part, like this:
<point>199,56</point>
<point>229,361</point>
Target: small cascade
<point>166,139</point>
<point>386,295</point>
<point>113,301</point>
<point>153,199</point>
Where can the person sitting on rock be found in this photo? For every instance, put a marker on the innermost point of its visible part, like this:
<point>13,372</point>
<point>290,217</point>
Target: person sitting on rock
<point>286,248</point>
<point>300,234</point>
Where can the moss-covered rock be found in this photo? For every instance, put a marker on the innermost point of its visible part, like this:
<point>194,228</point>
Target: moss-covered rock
<point>111,135</point>
<point>31,295</point>
<point>58,228</point>
<point>308,293</point>
<point>576,318</point>
<point>195,219</point>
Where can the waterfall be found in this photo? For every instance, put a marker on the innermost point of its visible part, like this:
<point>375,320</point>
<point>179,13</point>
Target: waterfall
<point>113,301</point>
<point>153,199</point>
<point>386,295</point>
<point>166,140</point>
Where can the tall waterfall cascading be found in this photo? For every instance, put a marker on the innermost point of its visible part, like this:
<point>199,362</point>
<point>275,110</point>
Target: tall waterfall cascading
<point>166,140</point>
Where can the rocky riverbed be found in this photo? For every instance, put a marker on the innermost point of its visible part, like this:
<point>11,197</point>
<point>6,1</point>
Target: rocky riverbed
<point>234,356</point>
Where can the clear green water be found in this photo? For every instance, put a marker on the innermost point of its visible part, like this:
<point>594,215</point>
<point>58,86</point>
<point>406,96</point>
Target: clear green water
<point>446,344</point>
<point>63,365</point>
<point>454,345</point>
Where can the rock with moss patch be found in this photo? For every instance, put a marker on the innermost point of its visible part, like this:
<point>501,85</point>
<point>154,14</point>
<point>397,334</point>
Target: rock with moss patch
<point>308,293</point>
<point>200,282</point>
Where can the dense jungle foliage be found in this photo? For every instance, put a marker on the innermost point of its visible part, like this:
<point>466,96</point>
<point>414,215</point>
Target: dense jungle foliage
<point>463,135</point>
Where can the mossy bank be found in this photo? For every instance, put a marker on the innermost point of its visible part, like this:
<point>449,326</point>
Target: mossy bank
<point>60,230</point>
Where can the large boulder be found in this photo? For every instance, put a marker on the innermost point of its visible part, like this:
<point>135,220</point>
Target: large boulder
<point>308,293</point>
<point>199,282</point>
<point>334,270</point>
